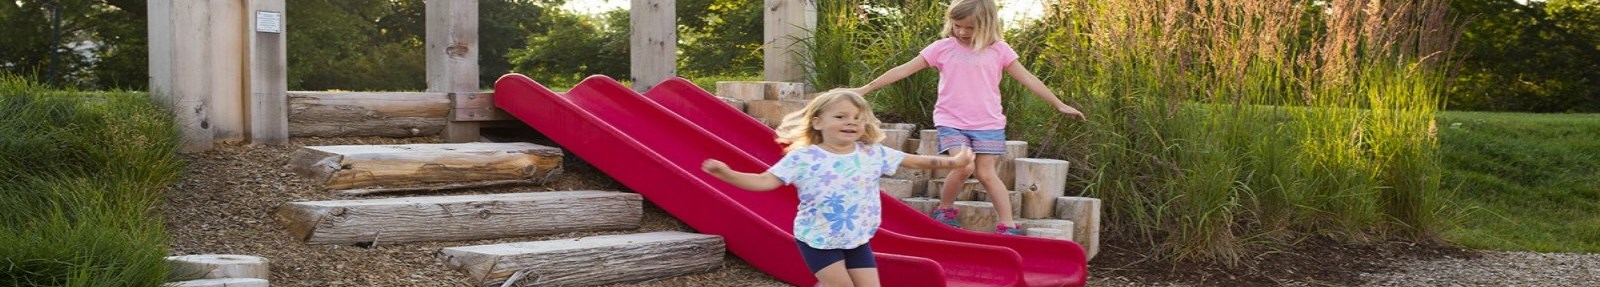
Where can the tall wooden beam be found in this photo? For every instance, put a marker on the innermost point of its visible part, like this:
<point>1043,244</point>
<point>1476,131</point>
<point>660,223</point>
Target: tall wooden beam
<point>178,32</point>
<point>268,102</point>
<point>452,52</point>
<point>785,23</point>
<point>653,42</point>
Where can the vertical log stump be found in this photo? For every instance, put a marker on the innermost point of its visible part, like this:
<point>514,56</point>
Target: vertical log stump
<point>1041,181</point>
<point>1084,212</point>
<point>977,216</point>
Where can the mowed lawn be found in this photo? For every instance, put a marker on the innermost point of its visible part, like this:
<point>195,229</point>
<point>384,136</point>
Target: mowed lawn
<point>1524,181</point>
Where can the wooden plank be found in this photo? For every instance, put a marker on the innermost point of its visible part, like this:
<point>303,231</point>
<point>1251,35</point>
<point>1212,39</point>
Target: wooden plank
<point>452,49</point>
<point>784,22</point>
<point>357,166</point>
<point>587,261</point>
<point>1084,212</point>
<point>214,266</point>
<point>355,114</point>
<point>461,217</point>
<point>268,104</point>
<point>652,42</point>
<point>471,100</point>
<point>1041,181</point>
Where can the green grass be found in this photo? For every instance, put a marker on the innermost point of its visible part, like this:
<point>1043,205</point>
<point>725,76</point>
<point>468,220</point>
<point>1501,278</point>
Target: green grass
<point>1524,181</point>
<point>80,186</point>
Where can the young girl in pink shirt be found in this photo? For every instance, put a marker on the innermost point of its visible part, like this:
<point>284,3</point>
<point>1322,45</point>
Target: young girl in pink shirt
<point>968,113</point>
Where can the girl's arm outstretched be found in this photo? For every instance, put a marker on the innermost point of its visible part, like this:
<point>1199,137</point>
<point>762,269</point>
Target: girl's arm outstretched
<point>1033,84</point>
<point>941,162</point>
<point>748,181</point>
<point>893,75</point>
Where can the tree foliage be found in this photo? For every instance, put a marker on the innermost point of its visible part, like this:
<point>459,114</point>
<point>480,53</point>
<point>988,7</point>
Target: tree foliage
<point>1535,57</point>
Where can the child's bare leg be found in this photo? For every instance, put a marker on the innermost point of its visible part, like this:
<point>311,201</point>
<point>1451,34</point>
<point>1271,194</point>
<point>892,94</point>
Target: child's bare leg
<point>998,194</point>
<point>835,276</point>
<point>864,277</point>
<point>953,182</point>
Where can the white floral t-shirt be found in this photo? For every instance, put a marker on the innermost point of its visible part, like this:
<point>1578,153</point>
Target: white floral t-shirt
<point>839,206</point>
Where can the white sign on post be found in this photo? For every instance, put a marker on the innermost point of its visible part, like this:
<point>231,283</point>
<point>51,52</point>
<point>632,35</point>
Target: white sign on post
<point>269,22</point>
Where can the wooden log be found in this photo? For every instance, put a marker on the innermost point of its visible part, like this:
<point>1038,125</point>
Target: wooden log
<point>918,177</point>
<point>923,204</point>
<point>772,111</point>
<point>587,261</point>
<point>897,188</point>
<point>1084,212</point>
<point>223,282</point>
<point>895,139</point>
<point>1040,181</point>
<point>475,107</point>
<point>356,166</point>
<point>898,126</point>
<point>330,114</point>
<point>784,23</point>
<point>928,142</point>
<point>462,217</point>
<point>1046,223</point>
<point>977,216</point>
<point>744,91</point>
<point>736,103</point>
<point>1008,166</point>
<point>214,266</point>
<point>1016,200</point>
<point>968,192</point>
<point>1051,233</point>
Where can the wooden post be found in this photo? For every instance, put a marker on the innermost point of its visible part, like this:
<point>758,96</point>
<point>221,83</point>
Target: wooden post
<point>1084,212</point>
<point>1040,181</point>
<point>652,42</point>
<point>785,23</point>
<point>226,70</point>
<point>452,51</point>
<point>268,103</point>
<point>1008,167</point>
<point>179,69</point>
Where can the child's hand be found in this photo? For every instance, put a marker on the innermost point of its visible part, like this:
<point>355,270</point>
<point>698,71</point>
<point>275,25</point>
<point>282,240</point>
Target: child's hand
<point>1072,113</point>
<point>714,167</point>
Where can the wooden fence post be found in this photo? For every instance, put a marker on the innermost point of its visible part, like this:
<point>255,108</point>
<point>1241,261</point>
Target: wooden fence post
<point>785,23</point>
<point>452,51</point>
<point>652,42</point>
<point>268,101</point>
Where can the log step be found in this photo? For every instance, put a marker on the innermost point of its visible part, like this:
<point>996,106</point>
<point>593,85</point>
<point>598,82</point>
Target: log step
<point>587,261</point>
<point>216,266</point>
<point>222,282</point>
<point>358,166</point>
<point>462,217</point>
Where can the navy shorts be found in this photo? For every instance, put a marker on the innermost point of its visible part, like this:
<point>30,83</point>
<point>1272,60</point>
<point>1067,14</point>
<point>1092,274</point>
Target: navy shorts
<point>859,257</point>
<point>981,141</point>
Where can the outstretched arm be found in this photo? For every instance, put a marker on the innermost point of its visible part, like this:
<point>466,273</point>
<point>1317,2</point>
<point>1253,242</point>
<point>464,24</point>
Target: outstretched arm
<point>1017,71</point>
<point>748,181</point>
<point>942,162</point>
<point>893,75</point>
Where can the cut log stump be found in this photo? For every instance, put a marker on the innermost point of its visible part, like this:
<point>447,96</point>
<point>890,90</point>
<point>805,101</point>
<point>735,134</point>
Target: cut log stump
<point>1016,201</point>
<point>587,261</point>
<point>1084,212</point>
<point>216,266</point>
<point>223,282</point>
<point>359,166</point>
<point>895,139</point>
<point>923,204</point>
<point>1041,181</point>
<point>462,217</point>
<point>897,188</point>
<point>977,216</point>
<point>1050,233</point>
<point>1008,165</point>
<point>968,192</point>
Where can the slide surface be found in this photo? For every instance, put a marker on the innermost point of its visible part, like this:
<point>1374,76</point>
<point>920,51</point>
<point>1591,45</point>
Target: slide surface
<point>657,153</point>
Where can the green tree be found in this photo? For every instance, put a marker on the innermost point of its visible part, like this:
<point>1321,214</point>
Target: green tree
<point>720,37</point>
<point>575,46</point>
<point>1535,57</point>
<point>87,44</point>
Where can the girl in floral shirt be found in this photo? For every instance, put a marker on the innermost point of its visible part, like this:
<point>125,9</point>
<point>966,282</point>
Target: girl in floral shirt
<point>834,160</point>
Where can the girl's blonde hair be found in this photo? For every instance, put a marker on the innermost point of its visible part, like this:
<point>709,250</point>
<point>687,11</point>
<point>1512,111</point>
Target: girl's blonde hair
<point>985,31</point>
<point>798,127</point>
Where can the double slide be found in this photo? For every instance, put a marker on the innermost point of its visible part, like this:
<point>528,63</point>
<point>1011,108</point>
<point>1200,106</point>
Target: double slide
<point>654,143</point>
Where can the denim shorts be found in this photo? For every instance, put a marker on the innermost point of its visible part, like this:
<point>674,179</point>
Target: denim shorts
<point>981,141</point>
<point>816,259</point>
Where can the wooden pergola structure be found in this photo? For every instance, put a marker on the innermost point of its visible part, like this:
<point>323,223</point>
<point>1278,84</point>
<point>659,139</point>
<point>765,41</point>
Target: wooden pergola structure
<point>221,65</point>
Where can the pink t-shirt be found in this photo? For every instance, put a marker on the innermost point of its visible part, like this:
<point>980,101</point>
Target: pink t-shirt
<point>969,84</point>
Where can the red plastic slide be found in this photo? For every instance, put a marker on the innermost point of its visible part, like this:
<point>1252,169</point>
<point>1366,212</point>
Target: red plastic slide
<point>657,153</point>
<point>1046,262</point>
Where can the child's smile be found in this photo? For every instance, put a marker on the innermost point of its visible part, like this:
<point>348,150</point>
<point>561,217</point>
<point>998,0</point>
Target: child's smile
<point>840,124</point>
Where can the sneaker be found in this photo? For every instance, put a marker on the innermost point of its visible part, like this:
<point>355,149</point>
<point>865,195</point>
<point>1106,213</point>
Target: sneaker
<point>947,216</point>
<point>1007,230</point>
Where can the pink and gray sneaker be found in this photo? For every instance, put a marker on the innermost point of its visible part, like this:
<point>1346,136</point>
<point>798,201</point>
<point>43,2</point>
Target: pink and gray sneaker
<point>1007,230</point>
<point>947,216</point>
